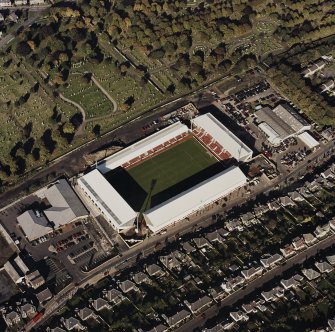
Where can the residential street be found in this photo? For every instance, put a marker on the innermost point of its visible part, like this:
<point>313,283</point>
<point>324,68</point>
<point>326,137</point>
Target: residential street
<point>258,283</point>
<point>148,246</point>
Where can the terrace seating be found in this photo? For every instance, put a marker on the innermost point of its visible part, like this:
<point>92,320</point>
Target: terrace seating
<point>211,144</point>
<point>154,151</point>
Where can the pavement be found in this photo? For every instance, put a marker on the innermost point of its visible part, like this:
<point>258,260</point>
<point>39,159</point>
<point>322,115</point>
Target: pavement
<point>256,284</point>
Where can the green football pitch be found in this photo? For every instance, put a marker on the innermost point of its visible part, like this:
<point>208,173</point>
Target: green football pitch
<point>165,175</point>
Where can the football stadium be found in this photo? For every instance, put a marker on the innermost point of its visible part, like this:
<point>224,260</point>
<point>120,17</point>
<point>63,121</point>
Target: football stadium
<point>168,175</point>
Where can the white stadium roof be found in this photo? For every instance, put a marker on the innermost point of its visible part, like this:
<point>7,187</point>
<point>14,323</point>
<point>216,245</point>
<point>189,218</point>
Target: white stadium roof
<point>109,201</point>
<point>189,201</point>
<point>141,147</point>
<point>223,136</point>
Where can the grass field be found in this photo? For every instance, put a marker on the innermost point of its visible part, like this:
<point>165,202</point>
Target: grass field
<point>165,175</point>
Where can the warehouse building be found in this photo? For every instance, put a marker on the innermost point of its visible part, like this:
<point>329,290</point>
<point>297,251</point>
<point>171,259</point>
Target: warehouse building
<point>65,207</point>
<point>281,123</point>
<point>111,204</point>
<point>194,199</point>
<point>223,136</point>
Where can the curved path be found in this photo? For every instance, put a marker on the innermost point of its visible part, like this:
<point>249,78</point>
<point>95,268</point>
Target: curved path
<point>105,93</point>
<point>81,129</point>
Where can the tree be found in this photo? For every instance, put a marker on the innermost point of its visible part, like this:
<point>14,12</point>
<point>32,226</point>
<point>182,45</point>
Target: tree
<point>68,128</point>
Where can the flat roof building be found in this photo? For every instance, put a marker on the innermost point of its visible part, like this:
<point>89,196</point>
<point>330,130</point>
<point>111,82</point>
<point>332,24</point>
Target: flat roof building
<point>65,208</point>
<point>308,140</point>
<point>232,144</point>
<point>193,199</point>
<point>281,123</point>
<point>116,210</point>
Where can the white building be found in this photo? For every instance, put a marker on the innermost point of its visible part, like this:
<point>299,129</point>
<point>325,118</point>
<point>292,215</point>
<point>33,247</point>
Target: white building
<point>115,209</point>
<point>308,140</point>
<point>232,144</point>
<point>280,123</point>
<point>194,199</point>
<point>142,149</point>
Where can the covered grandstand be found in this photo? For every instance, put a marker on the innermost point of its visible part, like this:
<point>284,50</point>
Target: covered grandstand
<point>115,209</point>
<point>220,140</point>
<point>194,199</point>
<point>145,148</point>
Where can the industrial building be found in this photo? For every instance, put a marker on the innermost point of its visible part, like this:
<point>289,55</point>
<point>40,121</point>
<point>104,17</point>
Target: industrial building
<point>114,208</point>
<point>222,136</point>
<point>194,199</point>
<point>65,207</point>
<point>281,123</point>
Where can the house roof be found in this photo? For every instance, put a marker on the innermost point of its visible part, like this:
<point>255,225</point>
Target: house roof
<point>250,307</point>
<point>140,277</point>
<point>291,282</point>
<point>331,259</point>
<point>295,196</point>
<point>286,201</point>
<point>273,293</point>
<point>200,303</point>
<point>126,286</point>
<point>159,328</point>
<point>323,267</point>
<point>288,250</point>
<point>114,295</point>
<point>310,274</point>
<point>58,329</point>
<point>321,231</point>
<point>201,242</point>
<point>154,269</point>
<point>85,313</point>
<point>238,316</point>
<point>72,323</point>
<point>177,317</point>
<point>188,247</point>
<point>44,295</point>
<point>214,236</point>
<point>309,238</point>
<point>266,262</point>
<point>252,272</point>
<point>100,303</point>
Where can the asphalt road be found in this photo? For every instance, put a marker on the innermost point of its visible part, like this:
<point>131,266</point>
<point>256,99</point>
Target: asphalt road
<point>258,283</point>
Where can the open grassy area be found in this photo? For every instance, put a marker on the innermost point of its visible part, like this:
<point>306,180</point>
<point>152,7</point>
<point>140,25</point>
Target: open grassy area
<point>165,175</point>
<point>88,96</point>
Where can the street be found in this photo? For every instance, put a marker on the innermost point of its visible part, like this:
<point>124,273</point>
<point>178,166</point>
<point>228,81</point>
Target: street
<point>257,283</point>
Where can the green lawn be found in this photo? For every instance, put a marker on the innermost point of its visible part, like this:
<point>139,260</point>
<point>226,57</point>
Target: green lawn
<point>165,175</point>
